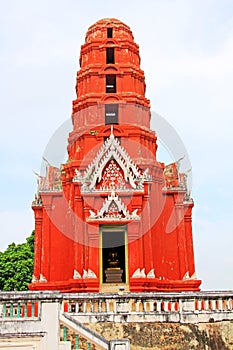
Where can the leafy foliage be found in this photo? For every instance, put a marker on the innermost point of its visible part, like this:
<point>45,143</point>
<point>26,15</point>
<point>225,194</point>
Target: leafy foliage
<point>16,265</point>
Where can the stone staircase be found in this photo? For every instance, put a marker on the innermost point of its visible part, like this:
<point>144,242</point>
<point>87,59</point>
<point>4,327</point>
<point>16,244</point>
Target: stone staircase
<point>80,336</point>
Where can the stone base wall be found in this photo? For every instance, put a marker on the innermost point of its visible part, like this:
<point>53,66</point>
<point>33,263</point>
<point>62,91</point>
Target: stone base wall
<point>170,336</point>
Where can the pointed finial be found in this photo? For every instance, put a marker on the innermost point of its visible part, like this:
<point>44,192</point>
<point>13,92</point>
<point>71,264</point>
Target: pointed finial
<point>113,195</point>
<point>111,135</point>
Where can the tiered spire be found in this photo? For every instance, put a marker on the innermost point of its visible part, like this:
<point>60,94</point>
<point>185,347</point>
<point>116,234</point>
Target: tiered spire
<point>110,72</point>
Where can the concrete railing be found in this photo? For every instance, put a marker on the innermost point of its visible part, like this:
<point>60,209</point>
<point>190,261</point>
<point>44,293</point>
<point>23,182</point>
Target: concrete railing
<point>26,305</point>
<point>121,307</point>
<point>30,320</point>
<point>150,307</point>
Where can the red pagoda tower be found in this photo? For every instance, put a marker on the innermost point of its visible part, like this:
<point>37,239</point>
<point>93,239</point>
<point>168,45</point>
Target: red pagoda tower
<point>112,218</point>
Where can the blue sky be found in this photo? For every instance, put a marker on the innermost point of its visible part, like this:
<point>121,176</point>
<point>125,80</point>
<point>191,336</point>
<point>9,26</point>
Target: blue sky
<point>186,52</point>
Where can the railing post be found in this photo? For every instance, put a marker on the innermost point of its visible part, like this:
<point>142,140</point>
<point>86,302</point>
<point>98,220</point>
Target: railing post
<point>144,306</point>
<point>18,310</point>
<point>173,305</point>
<point>4,310</point>
<point>114,306</point>
<point>92,306</point>
<point>25,310</point>
<point>33,309</point>
<point>65,333</point>
<point>228,304</point>
<point>220,305</point>
<point>166,305</point>
<point>1,310</point>
<point>213,304</point>
<point>77,307</point>
<point>76,341</point>
<point>107,306</point>
<point>159,303</point>
<point>84,306</point>
<point>199,305</point>
<point>68,306</point>
<point>206,303</point>
<point>151,303</point>
<point>137,306</point>
<point>100,306</point>
<point>11,310</point>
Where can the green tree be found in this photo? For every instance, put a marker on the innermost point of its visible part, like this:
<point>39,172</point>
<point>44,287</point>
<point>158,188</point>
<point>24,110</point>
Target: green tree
<point>16,265</point>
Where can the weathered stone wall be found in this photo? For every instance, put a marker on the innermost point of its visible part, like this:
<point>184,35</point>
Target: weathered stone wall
<point>170,336</point>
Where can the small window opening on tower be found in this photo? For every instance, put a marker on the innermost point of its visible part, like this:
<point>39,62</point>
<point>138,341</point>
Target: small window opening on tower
<point>110,57</point>
<point>110,83</point>
<point>111,113</point>
<point>109,32</point>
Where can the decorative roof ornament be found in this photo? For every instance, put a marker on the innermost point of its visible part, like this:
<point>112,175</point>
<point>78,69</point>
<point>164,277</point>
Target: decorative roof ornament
<point>42,278</point>
<point>113,209</point>
<point>139,273</point>
<point>76,275</point>
<point>186,276</point>
<point>34,279</point>
<point>52,179</point>
<point>151,274</point>
<point>112,150</point>
<point>89,274</point>
<point>187,197</point>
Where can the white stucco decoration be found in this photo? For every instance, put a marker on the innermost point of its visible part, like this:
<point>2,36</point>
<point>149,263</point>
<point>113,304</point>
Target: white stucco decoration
<point>136,274</point>
<point>194,276</point>
<point>42,278</point>
<point>76,275</point>
<point>151,274</point>
<point>34,279</point>
<point>113,209</point>
<point>143,274</point>
<point>139,273</point>
<point>186,276</point>
<point>111,149</point>
<point>85,274</point>
<point>91,274</point>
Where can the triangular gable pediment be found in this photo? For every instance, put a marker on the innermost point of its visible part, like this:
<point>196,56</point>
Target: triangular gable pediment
<point>112,151</point>
<point>113,209</point>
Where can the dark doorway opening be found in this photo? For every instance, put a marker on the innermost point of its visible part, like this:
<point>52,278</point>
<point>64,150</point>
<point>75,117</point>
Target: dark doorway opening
<point>113,250</point>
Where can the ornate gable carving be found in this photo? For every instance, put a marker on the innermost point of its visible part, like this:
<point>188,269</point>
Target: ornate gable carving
<point>121,166</point>
<point>112,178</point>
<point>113,209</point>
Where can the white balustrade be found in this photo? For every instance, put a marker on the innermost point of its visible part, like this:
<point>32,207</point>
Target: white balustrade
<point>183,306</point>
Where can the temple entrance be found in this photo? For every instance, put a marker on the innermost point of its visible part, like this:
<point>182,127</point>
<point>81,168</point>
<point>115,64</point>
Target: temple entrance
<point>113,254</point>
